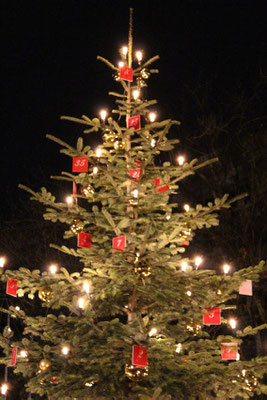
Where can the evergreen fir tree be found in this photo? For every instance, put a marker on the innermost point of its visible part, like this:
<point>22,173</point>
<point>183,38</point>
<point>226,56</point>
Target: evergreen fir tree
<point>146,292</point>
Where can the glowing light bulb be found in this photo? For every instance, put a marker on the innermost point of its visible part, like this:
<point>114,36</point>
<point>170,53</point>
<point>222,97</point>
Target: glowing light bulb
<point>139,55</point>
<point>232,323</point>
<point>2,262</point>
<point>179,348</point>
<point>180,160</point>
<point>98,152</point>
<point>226,268</point>
<point>153,142</point>
<point>65,350</point>
<point>86,287</point>
<point>23,354</point>
<point>69,200</point>
<point>95,170</point>
<point>168,217</point>
<point>198,261</point>
<point>186,207</point>
<point>4,389</point>
<point>103,114</point>
<point>219,292</point>
<point>53,269</point>
<point>136,94</point>
<point>120,64</point>
<point>152,332</point>
<point>124,51</point>
<point>184,265</point>
<point>135,193</point>
<point>81,302</point>
<point>189,293</point>
<point>238,357</point>
<point>17,308</point>
<point>152,116</point>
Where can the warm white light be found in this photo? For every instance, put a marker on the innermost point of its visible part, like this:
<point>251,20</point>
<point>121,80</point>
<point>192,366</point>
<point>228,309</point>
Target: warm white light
<point>136,94</point>
<point>81,302</point>
<point>226,268</point>
<point>189,293</point>
<point>103,114</point>
<point>95,170</point>
<point>23,354</point>
<point>86,287</point>
<point>238,357</point>
<point>184,266</point>
<point>152,116</point>
<point>4,388</point>
<point>178,348</point>
<point>135,193</point>
<point>168,217</point>
<point>17,308</point>
<point>53,269</point>
<point>65,350</point>
<point>232,323</point>
<point>124,50</point>
<point>152,332</point>
<point>139,55</point>
<point>120,64</point>
<point>180,160</point>
<point>98,152</point>
<point>153,142</point>
<point>69,200</point>
<point>198,261</point>
<point>186,207</point>
<point>2,262</point>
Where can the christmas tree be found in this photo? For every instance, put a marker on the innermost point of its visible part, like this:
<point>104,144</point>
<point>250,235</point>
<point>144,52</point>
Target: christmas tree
<point>140,319</point>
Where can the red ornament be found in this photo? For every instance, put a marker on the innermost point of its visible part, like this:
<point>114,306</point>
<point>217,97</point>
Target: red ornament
<point>163,189</point>
<point>74,188</point>
<point>134,122</point>
<point>79,164</point>
<point>157,181</point>
<point>212,317</point>
<point>84,240</point>
<point>139,356</point>
<point>135,173</point>
<point>126,73</point>
<point>119,243</point>
<point>246,287</point>
<point>11,287</point>
<point>14,356</point>
<point>229,351</point>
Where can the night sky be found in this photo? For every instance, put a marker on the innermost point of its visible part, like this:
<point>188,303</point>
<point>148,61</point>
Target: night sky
<point>49,67</point>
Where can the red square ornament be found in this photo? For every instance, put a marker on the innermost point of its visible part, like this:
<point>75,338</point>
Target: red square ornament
<point>212,317</point>
<point>119,243</point>
<point>79,164</point>
<point>84,240</point>
<point>135,173</point>
<point>163,189</point>
<point>11,287</point>
<point>229,351</point>
<point>157,181</point>
<point>134,122</point>
<point>139,356</point>
<point>246,287</point>
<point>126,73</point>
<point>14,356</point>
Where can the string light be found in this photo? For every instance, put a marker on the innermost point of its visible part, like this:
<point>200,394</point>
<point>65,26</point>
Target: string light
<point>98,152</point>
<point>226,268</point>
<point>237,357</point>
<point>23,354</point>
<point>69,200</point>
<point>65,350</point>
<point>152,332</point>
<point>152,116</point>
<point>86,287</point>
<point>4,389</point>
<point>2,262</point>
<point>135,193</point>
<point>81,302</point>
<point>232,323</point>
<point>17,308</point>
<point>120,64</point>
<point>153,142</point>
<point>139,56</point>
<point>189,293</point>
<point>198,261</point>
<point>95,170</point>
<point>180,160</point>
<point>179,348</point>
<point>103,114</point>
<point>124,51</point>
<point>53,269</point>
<point>184,266</point>
<point>136,94</point>
<point>186,207</point>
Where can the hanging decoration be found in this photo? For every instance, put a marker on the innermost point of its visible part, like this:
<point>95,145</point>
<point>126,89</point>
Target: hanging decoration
<point>119,144</point>
<point>119,242</point>
<point>44,364</point>
<point>87,190</point>
<point>229,351</point>
<point>143,269</point>
<point>136,373</point>
<point>77,226</point>
<point>84,240</point>
<point>79,164</point>
<point>134,122</point>
<point>246,288</point>
<point>109,136</point>
<point>11,287</point>
<point>145,74</point>
<point>194,328</point>
<point>126,73</point>
<point>212,317</point>
<point>45,293</point>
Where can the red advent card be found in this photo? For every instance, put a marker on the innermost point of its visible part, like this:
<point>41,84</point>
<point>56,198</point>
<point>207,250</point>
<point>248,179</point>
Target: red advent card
<point>157,181</point>
<point>79,164</point>
<point>163,189</point>
<point>185,243</point>
<point>229,351</point>
<point>134,122</point>
<point>84,240</point>
<point>135,173</point>
<point>119,243</point>
<point>246,287</point>
<point>14,356</point>
<point>212,317</point>
<point>139,356</point>
<point>126,73</point>
<point>11,287</point>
